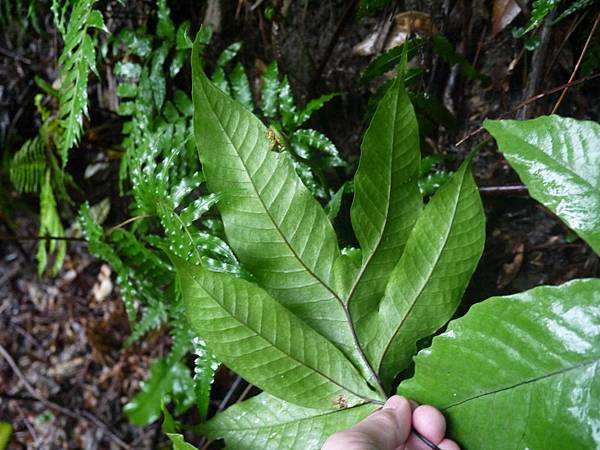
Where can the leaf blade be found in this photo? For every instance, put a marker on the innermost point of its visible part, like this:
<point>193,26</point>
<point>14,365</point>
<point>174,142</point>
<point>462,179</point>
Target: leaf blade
<point>277,229</point>
<point>557,159</point>
<point>387,200</point>
<point>440,257</point>
<point>546,330</point>
<point>266,344</point>
<point>267,423</point>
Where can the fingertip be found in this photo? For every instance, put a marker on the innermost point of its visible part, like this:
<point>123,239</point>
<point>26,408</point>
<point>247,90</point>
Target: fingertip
<point>397,402</point>
<point>413,405</point>
<point>448,444</point>
<point>429,422</point>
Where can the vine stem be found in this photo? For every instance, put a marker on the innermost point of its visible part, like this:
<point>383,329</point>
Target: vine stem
<point>583,52</point>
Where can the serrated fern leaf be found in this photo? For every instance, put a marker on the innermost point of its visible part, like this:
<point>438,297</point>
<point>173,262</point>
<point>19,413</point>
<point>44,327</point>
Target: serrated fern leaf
<point>50,225</point>
<point>28,166</point>
<point>153,317</point>
<point>240,86</point>
<point>541,8</point>
<point>205,366</point>
<point>577,5</point>
<point>76,61</point>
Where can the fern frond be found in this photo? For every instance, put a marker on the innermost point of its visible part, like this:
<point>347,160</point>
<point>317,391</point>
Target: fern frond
<point>50,225</point>
<point>577,5</point>
<point>153,317</point>
<point>76,61</point>
<point>28,166</point>
<point>205,366</point>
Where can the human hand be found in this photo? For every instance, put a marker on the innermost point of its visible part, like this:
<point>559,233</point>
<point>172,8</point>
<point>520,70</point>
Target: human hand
<point>390,428</point>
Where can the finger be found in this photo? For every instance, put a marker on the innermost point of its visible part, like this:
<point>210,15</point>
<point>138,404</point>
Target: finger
<point>389,427</point>
<point>448,444</point>
<point>430,423</point>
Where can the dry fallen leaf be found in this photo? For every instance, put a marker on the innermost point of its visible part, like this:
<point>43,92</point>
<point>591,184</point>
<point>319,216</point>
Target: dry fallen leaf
<point>510,270</point>
<point>503,14</point>
<point>403,26</point>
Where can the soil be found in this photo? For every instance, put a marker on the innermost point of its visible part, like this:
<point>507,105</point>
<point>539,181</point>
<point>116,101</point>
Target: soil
<point>64,374</point>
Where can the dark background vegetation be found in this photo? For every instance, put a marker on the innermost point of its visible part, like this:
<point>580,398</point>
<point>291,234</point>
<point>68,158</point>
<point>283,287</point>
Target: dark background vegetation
<point>64,335</point>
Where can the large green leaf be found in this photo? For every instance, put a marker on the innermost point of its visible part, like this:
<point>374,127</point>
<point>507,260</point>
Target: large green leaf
<point>387,200</point>
<point>559,161</point>
<point>267,423</point>
<point>277,229</point>
<point>519,372</point>
<point>265,343</point>
<point>428,282</point>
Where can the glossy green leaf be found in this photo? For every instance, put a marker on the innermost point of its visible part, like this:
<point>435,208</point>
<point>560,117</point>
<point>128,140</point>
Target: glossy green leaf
<point>5,434</point>
<point>145,407</point>
<point>183,41</point>
<point>265,343</point>
<point>277,229</point>
<point>179,442</point>
<point>50,225</point>
<point>519,372</point>
<point>558,159</point>
<point>267,423</point>
<point>427,285</point>
<point>387,201</point>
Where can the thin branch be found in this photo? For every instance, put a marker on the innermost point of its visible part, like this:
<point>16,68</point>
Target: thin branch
<point>532,99</point>
<point>583,52</point>
<point>40,238</point>
<point>504,191</point>
<point>55,406</point>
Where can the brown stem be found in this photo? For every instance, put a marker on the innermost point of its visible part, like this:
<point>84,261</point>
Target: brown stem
<point>585,47</point>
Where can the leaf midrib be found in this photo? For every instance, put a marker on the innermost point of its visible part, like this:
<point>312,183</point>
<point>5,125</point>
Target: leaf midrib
<point>271,218</point>
<point>283,424</point>
<point>424,284</point>
<point>365,265</point>
<point>595,360</point>
<point>260,335</point>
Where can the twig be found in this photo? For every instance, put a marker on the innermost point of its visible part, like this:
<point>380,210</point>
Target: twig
<point>499,191</point>
<point>537,63</point>
<point>531,99</point>
<point>49,404</point>
<point>585,47</point>
<point>234,386</point>
<point>40,238</point>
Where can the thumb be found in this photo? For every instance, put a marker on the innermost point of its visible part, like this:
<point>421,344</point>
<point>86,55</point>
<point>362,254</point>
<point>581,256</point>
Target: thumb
<point>386,429</point>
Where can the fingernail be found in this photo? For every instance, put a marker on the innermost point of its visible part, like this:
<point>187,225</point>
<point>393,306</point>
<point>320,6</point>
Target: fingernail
<point>394,402</point>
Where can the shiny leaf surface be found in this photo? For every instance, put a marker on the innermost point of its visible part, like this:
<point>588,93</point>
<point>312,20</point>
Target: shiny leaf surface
<point>427,284</point>
<point>558,159</point>
<point>165,375</point>
<point>265,343</point>
<point>519,372</point>
<point>267,423</point>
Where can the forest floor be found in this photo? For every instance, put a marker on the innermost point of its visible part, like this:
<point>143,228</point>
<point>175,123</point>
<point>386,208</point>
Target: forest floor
<point>64,375</point>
